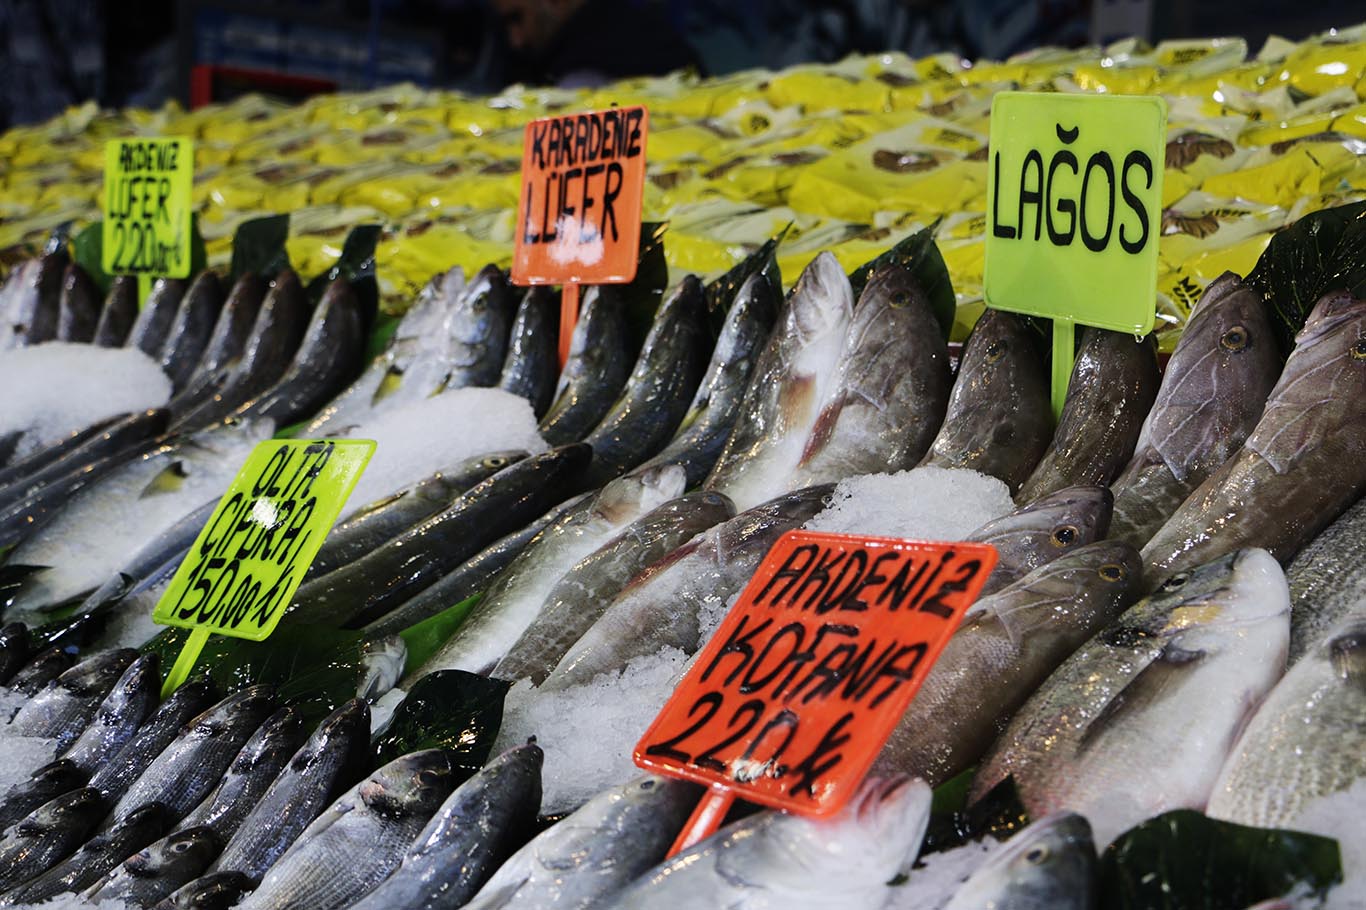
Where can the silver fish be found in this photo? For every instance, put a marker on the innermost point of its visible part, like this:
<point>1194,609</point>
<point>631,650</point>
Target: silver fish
<point>208,892</point>
<point>125,766</point>
<point>45,784</point>
<point>48,834</point>
<point>1327,580</point>
<point>120,311</point>
<point>382,661</point>
<point>41,670</point>
<point>118,717</point>
<point>64,707</point>
<point>154,872</point>
<point>1051,865</point>
<point>600,358</point>
<point>532,366</point>
<point>477,330</point>
<point>1043,530</point>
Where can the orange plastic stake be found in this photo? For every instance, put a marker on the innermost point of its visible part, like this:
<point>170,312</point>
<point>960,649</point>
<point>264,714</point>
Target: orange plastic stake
<point>705,819</point>
<point>569,316</point>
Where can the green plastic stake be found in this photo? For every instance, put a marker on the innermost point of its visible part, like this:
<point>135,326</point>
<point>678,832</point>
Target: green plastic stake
<point>1063,353</point>
<point>185,661</point>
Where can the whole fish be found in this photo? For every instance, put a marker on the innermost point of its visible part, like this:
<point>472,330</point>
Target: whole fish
<point>579,597</point>
<point>360,839</point>
<point>14,650</point>
<point>153,325</point>
<point>674,601</point>
<point>64,706</point>
<point>599,361</point>
<point>152,873</point>
<point>772,859</point>
<point>47,783</point>
<point>477,330</point>
<point>78,308</point>
<point>1301,467</point>
<point>1306,741</point>
<point>192,329</point>
<point>329,761</point>
<point>47,835</point>
<point>478,826</point>
<point>118,717</point>
<point>96,858</point>
<point>1327,580</point>
<point>532,365</point>
<point>999,418</point>
<point>231,332</point>
<point>585,857</point>
<point>1043,530</point>
<point>219,891</point>
<point>371,586</point>
<point>1114,381</point>
<point>793,378</point>
<point>41,670</point>
<point>38,288</point>
<point>711,416</point>
<point>1003,651</point>
<point>195,761</point>
<point>380,522</point>
<point>1212,392</point>
<point>891,388</point>
<point>515,599</point>
<point>1140,719</point>
<point>127,765</point>
<point>1050,865</point>
<point>659,389</point>
<point>119,313</point>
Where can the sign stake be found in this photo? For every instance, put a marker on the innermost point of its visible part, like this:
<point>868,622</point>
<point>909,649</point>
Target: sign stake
<point>569,316</point>
<point>705,819</point>
<point>1064,350</point>
<point>184,662</point>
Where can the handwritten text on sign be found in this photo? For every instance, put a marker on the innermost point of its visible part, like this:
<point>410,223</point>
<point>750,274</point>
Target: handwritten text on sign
<point>583,176</point>
<point>147,207</point>
<point>793,697</point>
<point>252,554</point>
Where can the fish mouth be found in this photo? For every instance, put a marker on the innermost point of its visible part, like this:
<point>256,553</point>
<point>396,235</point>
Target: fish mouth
<point>1331,310</point>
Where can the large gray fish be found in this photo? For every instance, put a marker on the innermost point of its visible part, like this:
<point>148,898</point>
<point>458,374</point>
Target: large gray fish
<point>45,784</point>
<point>891,389</point>
<point>772,859</point>
<point>585,857</point>
<point>659,389</point>
<point>1301,467</point>
<point>195,761</point>
<point>1212,393</point>
<point>64,707</point>
<point>1327,580</point>
<point>118,717</point>
<point>475,830</point>
<point>1114,381</point>
<point>585,591</point>
<point>999,419</point>
<point>119,313</point>
<point>710,418</point>
<point>1043,530</point>
<point>219,891</point>
<point>531,366</point>
<point>37,289</point>
<point>360,839</point>
<point>47,835</point>
<point>153,325</point>
<point>326,763</point>
<point>14,649</point>
<point>675,601</point>
<point>41,670</point>
<point>793,378</point>
<point>1306,741</point>
<point>229,339</point>
<point>192,329</point>
<point>477,330</point>
<point>79,306</point>
<point>1051,865</point>
<point>598,364</point>
<point>371,586</point>
<point>1003,651</point>
<point>1141,718</point>
<point>119,772</point>
<point>152,873</point>
<point>515,599</point>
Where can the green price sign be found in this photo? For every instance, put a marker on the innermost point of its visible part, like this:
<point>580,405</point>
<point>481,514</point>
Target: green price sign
<point>1074,199</point>
<point>244,567</point>
<point>147,207</point>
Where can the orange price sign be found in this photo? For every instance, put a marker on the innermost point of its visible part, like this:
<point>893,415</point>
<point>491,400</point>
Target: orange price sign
<point>583,177</point>
<point>791,700</point>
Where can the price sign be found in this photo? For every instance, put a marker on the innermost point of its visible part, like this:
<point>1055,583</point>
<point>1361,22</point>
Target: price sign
<point>147,207</point>
<point>792,699</point>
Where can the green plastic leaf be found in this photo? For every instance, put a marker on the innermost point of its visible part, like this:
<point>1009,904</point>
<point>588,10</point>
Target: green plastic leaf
<point>259,246</point>
<point>918,253</point>
<point>1185,861</point>
<point>1323,251</point>
<point>449,709</point>
<point>426,638</point>
<point>721,291</point>
<point>87,248</point>
<point>356,264</point>
<point>999,813</point>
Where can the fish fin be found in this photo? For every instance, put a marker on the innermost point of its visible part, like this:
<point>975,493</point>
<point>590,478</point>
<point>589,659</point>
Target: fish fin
<point>1347,651</point>
<point>1021,619</point>
<point>823,430</point>
<point>12,575</point>
<point>169,480</point>
<point>795,400</point>
<point>1145,689</point>
<point>393,378</point>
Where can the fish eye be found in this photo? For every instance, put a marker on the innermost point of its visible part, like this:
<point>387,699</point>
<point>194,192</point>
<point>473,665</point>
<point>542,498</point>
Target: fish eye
<point>1065,536</point>
<point>1359,350</point>
<point>647,785</point>
<point>995,351</point>
<point>429,777</point>
<point>1235,339</point>
<point>901,299</point>
<point>1037,855</point>
<point>1176,581</point>
<point>1112,571</point>
<point>181,847</point>
<point>496,461</point>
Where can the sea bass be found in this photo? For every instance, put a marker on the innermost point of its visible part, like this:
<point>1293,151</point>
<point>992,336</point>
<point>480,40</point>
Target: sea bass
<point>155,871</point>
<point>131,700</point>
<point>47,835</point>
<point>160,730</point>
<point>65,706</point>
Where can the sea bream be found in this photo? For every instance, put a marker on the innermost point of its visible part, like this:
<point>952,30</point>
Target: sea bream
<point>1327,580</point>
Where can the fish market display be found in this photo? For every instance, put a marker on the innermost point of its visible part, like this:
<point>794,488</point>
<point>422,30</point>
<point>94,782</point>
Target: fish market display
<point>530,368</point>
<point>1051,865</point>
<point>1043,530</point>
<point>599,363</point>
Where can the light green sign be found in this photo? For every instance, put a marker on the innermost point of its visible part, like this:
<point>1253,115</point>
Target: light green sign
<point>147,207</point>
<point>246,564</point>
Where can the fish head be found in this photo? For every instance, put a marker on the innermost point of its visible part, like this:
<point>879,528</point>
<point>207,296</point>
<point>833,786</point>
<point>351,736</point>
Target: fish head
<point>1103,576</point>
<point>81,807</point>
<point>894,287</point>
<point>217,891</point>
<point>822,301</point>
<point>62,775</point>
<point>1049,526</point>
<point>200,691</point>
<point>748,322</point>
<point>382,661</point>
<point>485,307</point>
<point>413,784</point>
<point>628,497</point>
<point>1345,648</point>
<point>494,462</point>
<point>517,775</point>
<point>343,728</point>
<point>191,849</point>
<point>240,711</point>
<point>97,674</point>
<point>275,740</point>
<point>149,817</point>
<point>1049,864</point>
<point>140,684</point>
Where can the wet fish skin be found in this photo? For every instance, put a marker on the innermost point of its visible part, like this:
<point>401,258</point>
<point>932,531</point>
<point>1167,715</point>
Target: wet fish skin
<point>47,835</point>
<point>40,459</point>
<point>154,872</point>
<point>1113,384</point>
<point>1006,647</point>
<point>662,383</point>
<point>599,362</point>
<point>469,837</point>
<point>477,329</point>
<point>532,365</point>
<point>1327,580</point>
<point>192,329</point>
<point>64,706</point>
<point>41,670</point>
<point>382,663</point>
<point>119,313</point>
<point>1050,865</point>
<point>119,715</point>
<point>227,342</point>
<point>1301,467</point>
<point>45,784</point>
<point>1043,530</point>
<point>153,323</point>
<point>662,606</point>
<point>579,597</point>
<point>891,390</point>
<point>999,420</point>
<point>329,761</point>
<point>127,765</point>
<point>39,297</point>
<point>1098,736</point>
<point>1212,393</point>
<point>773,859</point>
<point>78,309</point>
<point>589,855</point>
<point>14,649</point>
<point>218,891</point>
